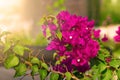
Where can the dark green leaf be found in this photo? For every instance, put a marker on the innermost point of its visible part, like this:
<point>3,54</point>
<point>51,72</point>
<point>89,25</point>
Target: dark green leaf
<point>20,70</point>
<point>34,70</point>
<point>68,75</point>
<point>78,74</point>
<point>54,76</point>
<point>11,61</point>
<point>94,61</point>
<point>43,74</point>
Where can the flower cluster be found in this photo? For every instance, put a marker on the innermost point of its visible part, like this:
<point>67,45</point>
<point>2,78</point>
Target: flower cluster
<point>76,43</point>
<point>117,37</point>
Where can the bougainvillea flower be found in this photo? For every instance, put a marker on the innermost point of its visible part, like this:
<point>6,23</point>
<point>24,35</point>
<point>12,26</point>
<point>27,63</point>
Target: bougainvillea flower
<point>92,48</point>
<point>78,61</point>
<point>108,59</point>
<point>105,38</point>
<point>76,43</point>
<point>62,17</point>
<point>51,26</point>
<point>117,38</point>
<point>118,31</point>
<point>56,45</point>
<point>96,33</point>
<point>91,24</point>
<point>83,68</point>
<point>60,68</point>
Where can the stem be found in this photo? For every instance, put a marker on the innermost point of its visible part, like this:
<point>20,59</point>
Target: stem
<point>30,54</point>
<point>38,52</point>
<point>28,63</point>
<point>73,76</point>
<point>43,58</point>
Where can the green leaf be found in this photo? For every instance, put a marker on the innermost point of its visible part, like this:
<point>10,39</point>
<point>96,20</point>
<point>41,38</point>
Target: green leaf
<point>35,60</point>
<point>43,74</point>
<point>78,74</point>
<point>11,61</point>
<point>59,35</point>
<point>34,70</point>
<point>18,49</point>
<point>103,53</point>
<point>115,63</point>
<point>94,61</point>
<point>6,47</point>
<point>41,22</point>
<point>101,56</point>
<point>96,72</point>
<point>48,33</point>
<point>102,67</point>
<point>118,74</point>
<point>62,58</point>
<point>107,75</point>
<point>54,55</point>
<point>57,62</point>
<point>117,54</point>
<point>44,65</point>
<point>54,76</point>
<point>20,70</point>
<point>68,75</point>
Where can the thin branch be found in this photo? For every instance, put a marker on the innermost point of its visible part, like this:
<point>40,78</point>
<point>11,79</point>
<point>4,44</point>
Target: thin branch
<point>28,63</point>
<point>29,54</point>
<point>43,58</point>
<point>38,52</point>
<point>74,77</point>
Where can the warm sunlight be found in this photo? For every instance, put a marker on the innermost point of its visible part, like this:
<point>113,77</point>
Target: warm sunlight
<point>11,15</point>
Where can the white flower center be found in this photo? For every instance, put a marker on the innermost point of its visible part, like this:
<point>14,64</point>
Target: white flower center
<point>86,28</point>
<point>78,60</point>
<point>70,37</point>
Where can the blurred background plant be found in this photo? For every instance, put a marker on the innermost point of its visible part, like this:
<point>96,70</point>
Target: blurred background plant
<point>109,12</point>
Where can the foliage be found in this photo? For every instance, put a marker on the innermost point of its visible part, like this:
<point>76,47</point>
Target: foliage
<point>109,12</point>
<point>101,64</point>
<point>40,40</point>
<point>57,6</point>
